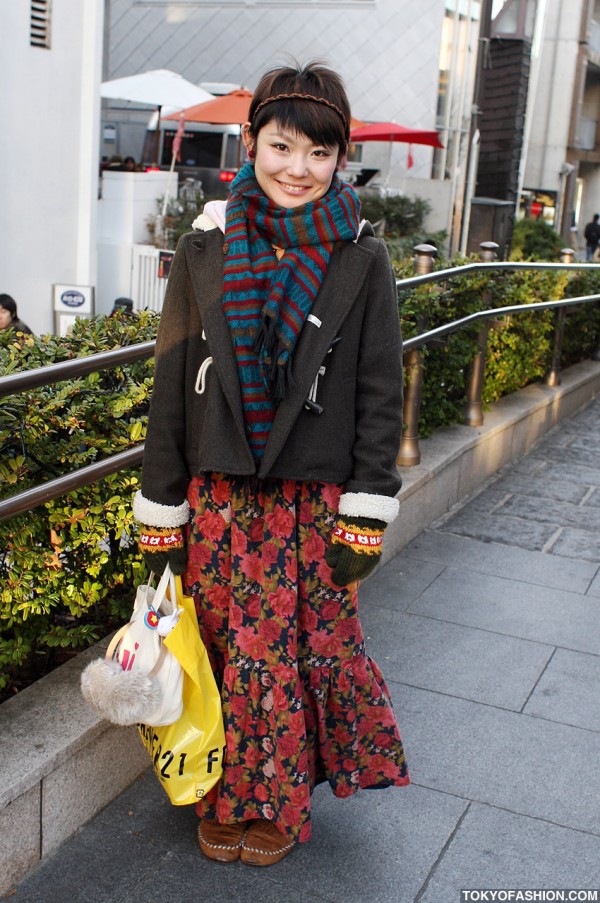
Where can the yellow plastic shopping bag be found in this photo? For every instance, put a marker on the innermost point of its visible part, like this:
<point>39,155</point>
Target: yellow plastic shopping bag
<point>188,756</point>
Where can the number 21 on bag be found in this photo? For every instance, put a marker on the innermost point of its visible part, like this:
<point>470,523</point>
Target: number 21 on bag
<point>168,764</point>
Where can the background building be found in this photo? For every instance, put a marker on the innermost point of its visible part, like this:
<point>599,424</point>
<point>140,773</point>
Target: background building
<point>563,156</point>
<point>513,87</point>
<point>539,111</point>
<point>50,69</point>
<point>388,52</point>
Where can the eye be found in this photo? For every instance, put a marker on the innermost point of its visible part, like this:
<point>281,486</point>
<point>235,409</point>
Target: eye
<point>322,152</point>
<point>279,146</point>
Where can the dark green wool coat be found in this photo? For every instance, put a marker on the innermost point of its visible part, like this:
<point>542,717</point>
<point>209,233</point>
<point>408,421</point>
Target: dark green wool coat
<point>196,423</point>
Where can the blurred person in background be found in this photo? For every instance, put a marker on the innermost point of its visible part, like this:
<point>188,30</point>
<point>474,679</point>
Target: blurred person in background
<point>9,318</point>
<point>592,237</point>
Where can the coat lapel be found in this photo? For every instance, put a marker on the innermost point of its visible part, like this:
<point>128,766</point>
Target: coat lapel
<point>206,272</point>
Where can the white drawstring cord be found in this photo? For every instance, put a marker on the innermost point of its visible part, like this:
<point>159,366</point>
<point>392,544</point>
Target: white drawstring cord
<point>201,378</point>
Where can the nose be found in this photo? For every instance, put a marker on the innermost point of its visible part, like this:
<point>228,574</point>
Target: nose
<point>297,165</point>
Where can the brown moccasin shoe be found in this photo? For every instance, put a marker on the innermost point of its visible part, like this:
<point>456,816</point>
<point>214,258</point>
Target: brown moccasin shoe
<point>263,844</point>
<point>223,843</point>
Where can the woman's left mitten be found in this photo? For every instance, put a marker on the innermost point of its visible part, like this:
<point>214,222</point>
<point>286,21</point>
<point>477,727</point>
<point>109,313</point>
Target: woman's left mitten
<point>161,546</point>
<point>355,551</point>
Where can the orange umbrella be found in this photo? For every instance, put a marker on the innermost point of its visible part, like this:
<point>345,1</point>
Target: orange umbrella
<point>229,109</point>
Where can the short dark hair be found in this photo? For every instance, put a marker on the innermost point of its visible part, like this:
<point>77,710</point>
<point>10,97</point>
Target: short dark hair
<point>9,304</point>
<point>323,124</point>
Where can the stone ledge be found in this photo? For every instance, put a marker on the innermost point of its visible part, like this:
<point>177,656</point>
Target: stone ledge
<point>60,764</point>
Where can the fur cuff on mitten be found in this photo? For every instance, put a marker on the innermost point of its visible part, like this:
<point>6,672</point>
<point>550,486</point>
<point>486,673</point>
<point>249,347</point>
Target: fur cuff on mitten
<point>367,504</point>
<point>154,514</point>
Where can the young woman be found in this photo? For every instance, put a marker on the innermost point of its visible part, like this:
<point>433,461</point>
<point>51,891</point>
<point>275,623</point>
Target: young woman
<point>269,468</point>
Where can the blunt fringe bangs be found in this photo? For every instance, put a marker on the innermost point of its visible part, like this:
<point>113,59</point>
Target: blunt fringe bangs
<point>316,120</point>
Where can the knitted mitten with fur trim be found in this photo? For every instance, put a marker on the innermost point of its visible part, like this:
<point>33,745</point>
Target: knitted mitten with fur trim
<point>162,533</point>
<point>355,550</point>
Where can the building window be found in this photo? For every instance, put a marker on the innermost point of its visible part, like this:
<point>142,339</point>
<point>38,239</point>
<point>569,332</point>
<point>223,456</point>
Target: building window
<point>513,19</point>
<point>39,29</point>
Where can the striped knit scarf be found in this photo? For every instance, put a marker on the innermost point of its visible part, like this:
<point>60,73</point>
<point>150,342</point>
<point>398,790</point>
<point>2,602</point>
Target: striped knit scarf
<point>266,300</point>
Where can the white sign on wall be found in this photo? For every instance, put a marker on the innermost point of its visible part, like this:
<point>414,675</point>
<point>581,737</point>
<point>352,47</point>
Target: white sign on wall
<point>70,302</point>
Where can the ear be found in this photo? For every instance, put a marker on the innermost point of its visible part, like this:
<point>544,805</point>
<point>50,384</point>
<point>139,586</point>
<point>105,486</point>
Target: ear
<point>247,138</point>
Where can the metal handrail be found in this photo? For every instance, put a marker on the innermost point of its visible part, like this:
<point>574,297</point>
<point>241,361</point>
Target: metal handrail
<point>53,373</point>
<point>442,275</point>
<point>409,453</point>
<point>455,325</point>
<point>53,489</point>
<point>29,379</point>
<point>79,366</point>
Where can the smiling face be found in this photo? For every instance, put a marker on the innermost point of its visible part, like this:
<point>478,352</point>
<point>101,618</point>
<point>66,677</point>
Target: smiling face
<point>290,168</point>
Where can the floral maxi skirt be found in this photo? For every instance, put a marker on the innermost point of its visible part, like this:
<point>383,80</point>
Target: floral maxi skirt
<point>302,701</point>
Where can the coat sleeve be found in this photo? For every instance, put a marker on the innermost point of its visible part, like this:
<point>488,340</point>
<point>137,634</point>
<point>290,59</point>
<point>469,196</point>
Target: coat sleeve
<point>375,480</point>
<point>165,475</point>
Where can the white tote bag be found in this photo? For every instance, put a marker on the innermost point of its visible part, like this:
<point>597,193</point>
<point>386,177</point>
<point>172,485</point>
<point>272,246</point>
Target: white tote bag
<point>139,679</point>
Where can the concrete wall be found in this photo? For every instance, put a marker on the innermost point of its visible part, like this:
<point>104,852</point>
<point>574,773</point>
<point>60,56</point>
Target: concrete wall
<point>49,154</point>
<point>436,192</point>
<point>128,200</point>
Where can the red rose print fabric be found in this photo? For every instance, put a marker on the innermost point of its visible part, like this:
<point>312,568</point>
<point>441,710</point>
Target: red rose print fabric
<point>302,701</point>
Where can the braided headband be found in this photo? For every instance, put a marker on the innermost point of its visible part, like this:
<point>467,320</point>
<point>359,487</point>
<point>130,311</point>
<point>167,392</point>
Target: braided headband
<point>312,97</point>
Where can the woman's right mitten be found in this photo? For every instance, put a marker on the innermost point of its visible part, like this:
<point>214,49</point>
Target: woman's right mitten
<point>161,546</point>
<point>162,533</point>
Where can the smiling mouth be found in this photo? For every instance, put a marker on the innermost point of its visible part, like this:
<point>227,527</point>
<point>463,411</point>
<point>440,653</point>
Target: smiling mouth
<point>294,188</point>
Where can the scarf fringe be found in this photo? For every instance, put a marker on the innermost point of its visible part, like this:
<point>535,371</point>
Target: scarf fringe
<point>264,341</point>
<point>283,381</point>
<point>275,360</point>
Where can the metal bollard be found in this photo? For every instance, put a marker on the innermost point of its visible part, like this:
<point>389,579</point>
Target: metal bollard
<point>474,405</point>
<point>553,377</point>
<point>409,454</point>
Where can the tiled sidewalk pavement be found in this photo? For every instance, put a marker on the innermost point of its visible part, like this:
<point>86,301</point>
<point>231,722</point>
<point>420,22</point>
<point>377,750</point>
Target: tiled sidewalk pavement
<point>549,501</point>
<point>487,628</point>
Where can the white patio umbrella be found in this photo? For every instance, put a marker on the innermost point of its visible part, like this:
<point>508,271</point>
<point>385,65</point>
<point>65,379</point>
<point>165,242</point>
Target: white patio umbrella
<point>158,88</point>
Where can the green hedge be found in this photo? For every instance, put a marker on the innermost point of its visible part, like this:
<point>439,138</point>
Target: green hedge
<point>68,568</point>
<point>519,348</point>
